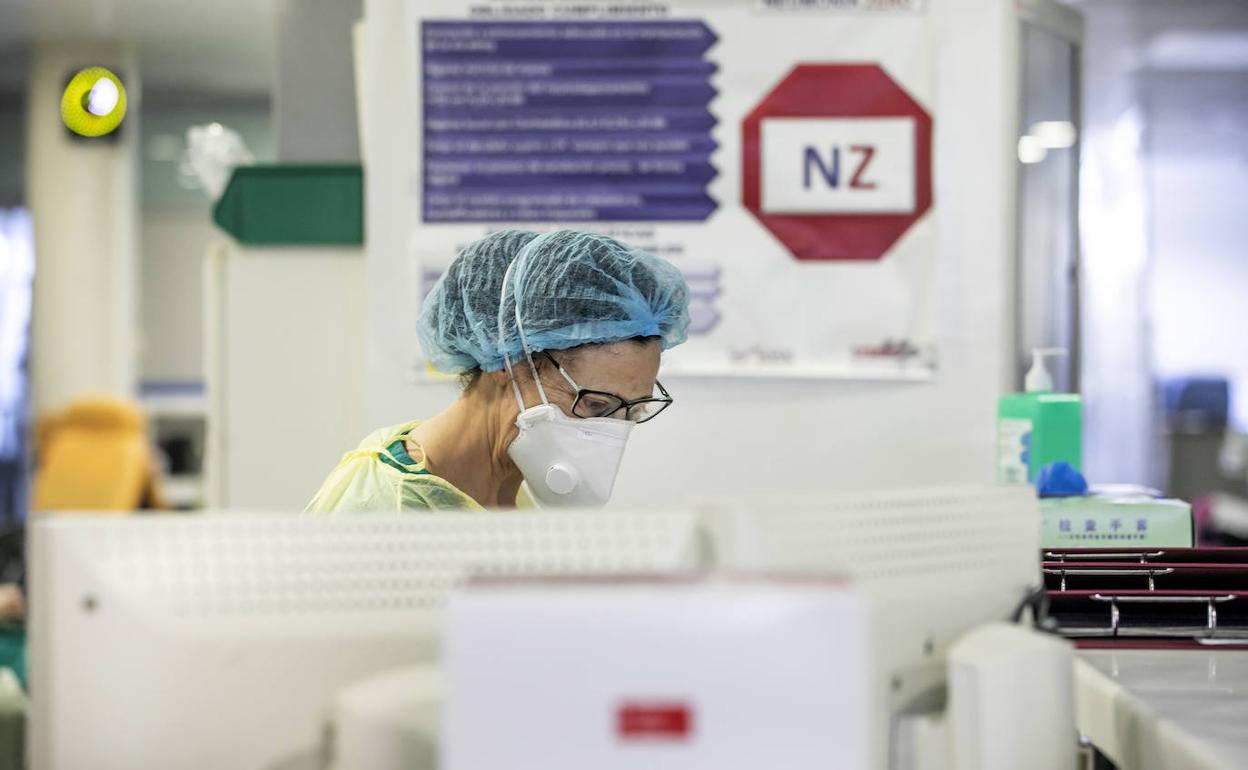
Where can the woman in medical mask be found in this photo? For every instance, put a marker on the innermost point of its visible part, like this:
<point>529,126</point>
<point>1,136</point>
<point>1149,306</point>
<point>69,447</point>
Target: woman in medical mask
<point>556,339</point>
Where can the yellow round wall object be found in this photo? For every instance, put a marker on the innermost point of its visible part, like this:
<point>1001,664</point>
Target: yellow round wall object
<point>94,102</point>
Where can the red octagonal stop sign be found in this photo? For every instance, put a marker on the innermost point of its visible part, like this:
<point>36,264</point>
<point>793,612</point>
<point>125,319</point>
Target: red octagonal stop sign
<point>837,162</point>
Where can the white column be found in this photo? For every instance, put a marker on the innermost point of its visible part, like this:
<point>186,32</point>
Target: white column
<point>83,196</point>
<point>314,105</point>
<point>1120,443</point>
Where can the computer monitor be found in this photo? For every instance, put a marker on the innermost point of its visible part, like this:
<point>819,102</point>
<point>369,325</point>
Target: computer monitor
<point>194,641</point>
<point>825,638</point>
<point>933,564</point>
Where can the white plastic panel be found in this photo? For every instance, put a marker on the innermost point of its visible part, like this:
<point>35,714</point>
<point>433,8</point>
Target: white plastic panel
<point>953,532</point>
<point>236,565</point>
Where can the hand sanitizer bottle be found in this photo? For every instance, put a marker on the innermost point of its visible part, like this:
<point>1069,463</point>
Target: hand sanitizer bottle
<point>1039,427</point>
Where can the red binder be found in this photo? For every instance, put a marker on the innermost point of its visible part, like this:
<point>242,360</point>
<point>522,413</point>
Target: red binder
<point>1161,597</point>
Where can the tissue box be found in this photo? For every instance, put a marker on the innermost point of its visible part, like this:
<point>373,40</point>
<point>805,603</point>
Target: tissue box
<point>1115,522</point>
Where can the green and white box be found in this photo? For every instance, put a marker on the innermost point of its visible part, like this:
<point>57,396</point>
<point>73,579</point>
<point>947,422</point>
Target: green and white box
<point>1116,522</point>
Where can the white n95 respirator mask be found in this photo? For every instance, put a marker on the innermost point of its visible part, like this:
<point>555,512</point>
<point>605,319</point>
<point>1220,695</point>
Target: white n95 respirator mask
<point>566,461</point>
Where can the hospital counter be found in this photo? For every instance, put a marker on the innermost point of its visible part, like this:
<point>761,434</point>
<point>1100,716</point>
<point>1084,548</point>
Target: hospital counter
<point>1165,709</point>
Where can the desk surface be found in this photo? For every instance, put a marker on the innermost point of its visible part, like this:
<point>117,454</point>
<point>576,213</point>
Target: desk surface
<point>1165,709</point>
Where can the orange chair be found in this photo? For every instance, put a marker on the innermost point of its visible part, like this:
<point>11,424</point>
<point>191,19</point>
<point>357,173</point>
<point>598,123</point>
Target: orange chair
<point>96,456</point>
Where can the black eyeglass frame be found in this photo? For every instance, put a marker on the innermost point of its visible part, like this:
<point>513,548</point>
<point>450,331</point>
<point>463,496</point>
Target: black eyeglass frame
<point>665,399</point>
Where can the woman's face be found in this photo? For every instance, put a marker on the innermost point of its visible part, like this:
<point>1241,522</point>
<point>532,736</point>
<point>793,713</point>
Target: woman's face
<point>627,369</point>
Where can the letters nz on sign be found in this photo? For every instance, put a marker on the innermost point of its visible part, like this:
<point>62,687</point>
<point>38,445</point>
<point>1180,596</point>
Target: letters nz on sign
<point>838,165</point>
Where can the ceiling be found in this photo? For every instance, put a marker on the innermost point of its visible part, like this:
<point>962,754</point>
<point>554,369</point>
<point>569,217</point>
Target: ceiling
<point>228,46</point>
<point>225,46</point>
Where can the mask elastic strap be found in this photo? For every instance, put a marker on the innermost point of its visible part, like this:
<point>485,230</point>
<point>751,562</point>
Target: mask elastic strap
<point>524,345</point>
<point>511,375</point>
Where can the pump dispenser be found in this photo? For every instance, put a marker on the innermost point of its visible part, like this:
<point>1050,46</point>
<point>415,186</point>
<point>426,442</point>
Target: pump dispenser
<point>1039,379</point>
<point>1038,427</point>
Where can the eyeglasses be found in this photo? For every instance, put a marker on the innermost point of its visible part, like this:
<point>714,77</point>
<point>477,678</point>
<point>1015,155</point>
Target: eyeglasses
<point>598,403</point>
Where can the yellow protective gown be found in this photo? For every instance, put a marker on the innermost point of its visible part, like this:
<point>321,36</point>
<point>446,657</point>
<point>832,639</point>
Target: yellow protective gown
<point>379,476</point>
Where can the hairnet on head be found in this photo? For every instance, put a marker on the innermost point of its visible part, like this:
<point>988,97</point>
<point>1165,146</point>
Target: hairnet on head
<point>458,327</point>
<point>572,288</point>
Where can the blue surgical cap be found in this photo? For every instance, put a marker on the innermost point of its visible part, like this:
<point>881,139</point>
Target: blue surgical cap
<point>572,288</point>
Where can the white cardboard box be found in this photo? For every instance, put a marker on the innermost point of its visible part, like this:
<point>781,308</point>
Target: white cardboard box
<point>655,674</point>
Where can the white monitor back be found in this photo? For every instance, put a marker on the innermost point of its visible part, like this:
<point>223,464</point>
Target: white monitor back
<point>218,641</point>
<point>956,533</point>
<point>933,563</point>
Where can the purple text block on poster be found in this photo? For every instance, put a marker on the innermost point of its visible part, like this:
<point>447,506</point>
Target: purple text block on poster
<point>567,121</point>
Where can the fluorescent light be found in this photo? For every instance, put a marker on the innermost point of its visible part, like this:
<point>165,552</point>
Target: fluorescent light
<point>1054,134</point>
<point>1197,49</point>
<point>1030,149</point>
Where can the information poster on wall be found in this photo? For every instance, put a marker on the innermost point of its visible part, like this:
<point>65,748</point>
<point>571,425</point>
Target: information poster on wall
<point>779,152</point>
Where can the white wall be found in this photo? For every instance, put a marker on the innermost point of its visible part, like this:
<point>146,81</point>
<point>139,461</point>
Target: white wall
<point>176,228</point>
<point>285,371</point>
<point>734,435</point>
<point>171,341</point>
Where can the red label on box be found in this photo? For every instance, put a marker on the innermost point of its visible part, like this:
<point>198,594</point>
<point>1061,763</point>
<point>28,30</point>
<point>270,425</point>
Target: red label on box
<point>654,721</point>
